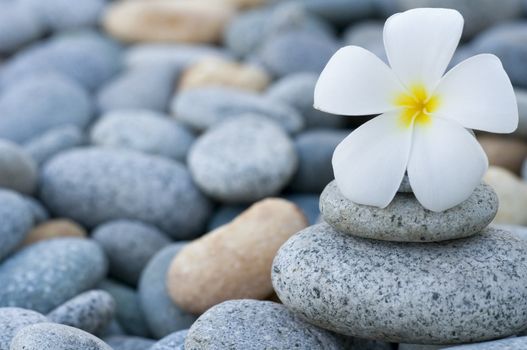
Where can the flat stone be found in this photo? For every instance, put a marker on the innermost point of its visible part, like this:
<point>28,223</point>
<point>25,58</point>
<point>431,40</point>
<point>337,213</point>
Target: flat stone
<point>257,325</point>
<point>405,220</point>
<point>503,344</point>
<point>12,319</point>
<point>16,221</point>
<point>457,291</point>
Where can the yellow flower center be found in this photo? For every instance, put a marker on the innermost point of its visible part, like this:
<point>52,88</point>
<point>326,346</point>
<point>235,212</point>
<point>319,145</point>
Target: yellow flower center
<point>416,105</point>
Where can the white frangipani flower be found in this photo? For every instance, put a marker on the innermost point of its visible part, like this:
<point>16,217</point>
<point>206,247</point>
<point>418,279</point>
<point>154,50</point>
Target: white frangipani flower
<point>425,115</point>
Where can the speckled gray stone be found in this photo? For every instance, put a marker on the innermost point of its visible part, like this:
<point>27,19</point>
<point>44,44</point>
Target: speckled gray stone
<point>16,221</point>
<point>46,274</point>
<point>122,342</point>
<point>202,108</point>
<point>12,319</point>
<point>243,160</point>
<point>144,131</point>
<point>503,344</point>
<point>90,311</point>
<point>18,170</point>
<point>93,185</point>
<point>256,325</point>
<point>405,220</point>
<point>129,245</point>
<point>40,214</point>
<point>517,230</point>
<point>52,336</point>
<point>162,315</point>
<point>45,146</point>
<point>458,291</point>
<point>174,341</point>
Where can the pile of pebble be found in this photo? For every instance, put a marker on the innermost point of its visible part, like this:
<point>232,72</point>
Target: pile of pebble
<point>156,154</point>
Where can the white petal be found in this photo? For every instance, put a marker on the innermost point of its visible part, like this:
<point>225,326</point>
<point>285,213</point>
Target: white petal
<point>356,82</point>
<point>369,164</point>
<point>420,43</point>
<point>446,164</point>
<point>478,94</point>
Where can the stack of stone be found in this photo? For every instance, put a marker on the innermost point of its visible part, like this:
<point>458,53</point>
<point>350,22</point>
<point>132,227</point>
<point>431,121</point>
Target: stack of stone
<point>404,274</point>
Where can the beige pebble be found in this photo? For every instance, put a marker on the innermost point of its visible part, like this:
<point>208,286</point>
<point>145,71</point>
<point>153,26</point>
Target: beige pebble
<point>181,21</point>
<point>234,261</point>
<point>54,229</point>
<point>220,72</point>
<point>512,194</point>
<point>503,151</point>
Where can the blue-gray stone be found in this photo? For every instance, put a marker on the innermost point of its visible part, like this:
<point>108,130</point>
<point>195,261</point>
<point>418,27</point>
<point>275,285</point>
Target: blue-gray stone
<point>224,214</point>
<point>41,102</point>
<point>94,185</point>
<point>90,311</point>
<point>44,275</point>
<point>19,25</point>
<point>12,319</point>
<point>43,147</point>
<point>40,214</point>
<point>340,12</point>
<point>128,312</point>
<point>174,341</point>
<point>256,325</point>
<point>521,99</point>
<point>162,315</point>
<point>18,171</point>
<point>367,34</point>
<point>122,342</point>
<point>202,108</point>
<point>144,87</point>
<point>53,336</point>
<point>145,131</point>
<point>129,245</point>
<point>16,221</point>
<point>308,203</point>
<point>503,344</point>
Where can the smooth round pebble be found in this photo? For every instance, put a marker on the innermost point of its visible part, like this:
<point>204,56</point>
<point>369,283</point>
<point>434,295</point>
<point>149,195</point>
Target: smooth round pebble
<point>44,275</point>
<point>40,214</point>
<point>202,108</point>
<point>174,341</point>
<point>19,25</point>
<point>45,146</point>
<point>16,221</point>
<point>123,342</point>
<point>107,184</point>
<point>457,291</point>
<point>243,160</point>
<point>90,311</point>
<point>512,195</point>
<point>256,325</point>
<point>55,228</point>
<point>13,319</point>
<point>145,131</point>
<point>52,336</point>
<point>129,245</point>
<point>18,170</point>
<point>405,220</point>
<point>162,315</point>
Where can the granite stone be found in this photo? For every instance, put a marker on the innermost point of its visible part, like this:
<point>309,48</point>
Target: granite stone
<point>17,219</point>
<point>174,341</point>
<point>13,319</point>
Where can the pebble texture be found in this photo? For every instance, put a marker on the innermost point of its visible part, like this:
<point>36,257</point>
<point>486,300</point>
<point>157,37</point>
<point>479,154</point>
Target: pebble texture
<point>90,311</point>
<point>256,325</point>
<point>405,220</point>
<point>162,315</point>
<point>174,341</point>
<point>13,319</point>
<point>458,291</point>
<point>45,146</point>
<point>51,336</point>
<point>92,186</point>
<point>503,344</point>
<point>17,219</point>
<point>18,170</point>
<point>46,274</point>
<point>234,261</point>
<point>204,107</point>
<point>243,160</point>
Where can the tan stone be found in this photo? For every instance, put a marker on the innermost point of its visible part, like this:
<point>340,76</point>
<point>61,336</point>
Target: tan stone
<point>503,151</point>
<point>234,261</point>
<point>54,229</point>
<point>181,21</point>
<point>239,4</point>
<point>512,194</point>
<point>220,72</point>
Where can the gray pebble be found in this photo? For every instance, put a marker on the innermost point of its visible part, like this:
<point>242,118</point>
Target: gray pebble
<point>367,34</point>
<point>253,325</point>
<point>202,108</point>
<point>54,101</point>
<point>297,90</point>
<point>114,328</point>
<point>52,336</point>
<point>456,291</point>
<point>40,214</point>
<point>45,146</point>
<point>12,319</point>
<point>243,160</point>
<point>122,342</point>
<point>16,221</point>
<point>174,341</point>
<point>341,12</point>
<point>94,185</point>
<point>503,344</point>
<point>129,245</point>
<point>162,315</point>
<point>19,25</point>
<point>44,275</point>
<point>517,230</point>
<point>144,131</point>
<point>128,312</point>
<point>90,311</point>
<point>405,220</point>
<point>224,214</point>
<point>18,171</point>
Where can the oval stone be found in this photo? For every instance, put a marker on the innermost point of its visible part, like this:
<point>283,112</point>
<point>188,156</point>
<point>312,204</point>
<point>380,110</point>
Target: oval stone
<point>405,220</point>
<point>12,319</point>
<point>16,221</point>
<point>457,291</point>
